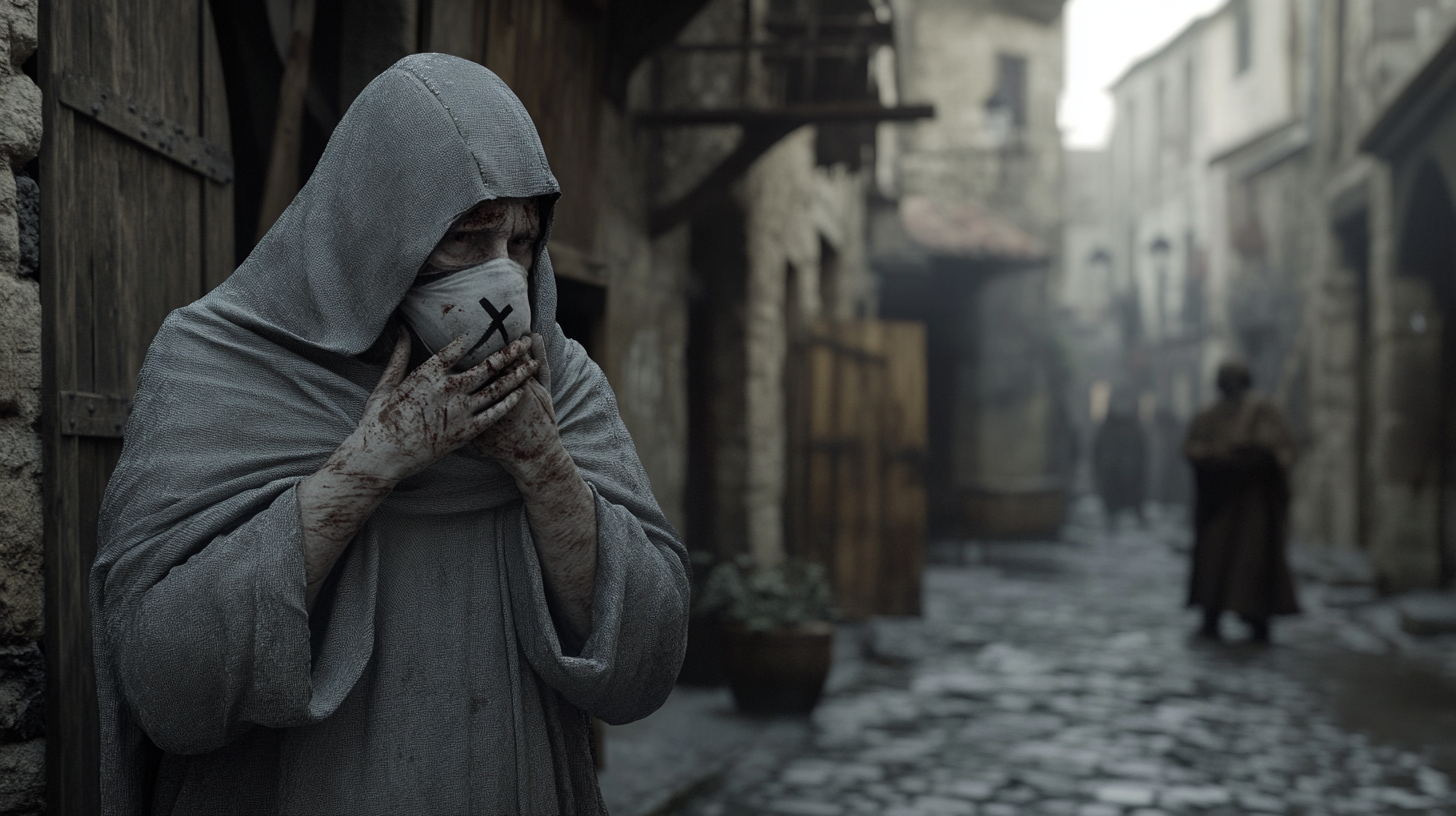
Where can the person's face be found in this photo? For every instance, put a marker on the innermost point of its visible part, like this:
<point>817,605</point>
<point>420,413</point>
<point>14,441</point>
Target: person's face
<point>499,228</point>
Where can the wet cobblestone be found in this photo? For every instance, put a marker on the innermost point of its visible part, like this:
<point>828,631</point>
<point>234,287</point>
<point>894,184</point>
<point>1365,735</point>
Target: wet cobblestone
<point>1060,679</point>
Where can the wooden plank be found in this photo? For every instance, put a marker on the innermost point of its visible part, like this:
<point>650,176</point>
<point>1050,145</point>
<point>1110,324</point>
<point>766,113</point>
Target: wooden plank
<point>789,117</point>
<point>218,259</point>
<point>129,235</point>
<point>552,55</point>
<point>904,446</point>
<point>864,413</point>
<point>855,547</point>
<point>822,456</point>
<point>139,121</point>
<point>458,27</point>
<point>568,261</point>
<point>72,751</point>
<point>157,259</point>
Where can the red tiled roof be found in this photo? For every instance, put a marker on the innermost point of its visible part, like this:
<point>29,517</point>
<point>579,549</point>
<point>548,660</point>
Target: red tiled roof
<point>965,229</point>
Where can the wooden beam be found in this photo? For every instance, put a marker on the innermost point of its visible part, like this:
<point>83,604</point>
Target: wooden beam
<point>787,49</point>
<point>757,139</point>
<point>790,116</point>
<point>283,160</point>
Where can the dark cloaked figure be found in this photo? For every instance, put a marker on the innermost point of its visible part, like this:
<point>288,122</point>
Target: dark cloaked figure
<point>1120,461</point>
<point>1241,451</point>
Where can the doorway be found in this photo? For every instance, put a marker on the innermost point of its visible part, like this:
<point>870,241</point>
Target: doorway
<point>1428,251</point>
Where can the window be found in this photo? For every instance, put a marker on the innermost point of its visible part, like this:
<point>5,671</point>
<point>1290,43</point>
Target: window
<point>1011,87</point>
<point>1243,36</point>
<point>1190,86</point>
<point>1160,129</point>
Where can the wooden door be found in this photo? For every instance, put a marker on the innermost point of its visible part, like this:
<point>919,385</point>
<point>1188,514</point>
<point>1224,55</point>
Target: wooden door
<point>860,446</point>
<point>137,220</point>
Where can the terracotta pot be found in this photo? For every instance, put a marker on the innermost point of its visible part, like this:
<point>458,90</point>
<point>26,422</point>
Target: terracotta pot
<point>778,672</point>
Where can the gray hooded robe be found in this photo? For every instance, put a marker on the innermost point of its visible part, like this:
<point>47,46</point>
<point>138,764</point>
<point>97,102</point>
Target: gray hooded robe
<point>431,677</point>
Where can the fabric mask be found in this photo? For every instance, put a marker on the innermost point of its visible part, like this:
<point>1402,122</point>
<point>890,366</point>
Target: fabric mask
<point>489,303</point>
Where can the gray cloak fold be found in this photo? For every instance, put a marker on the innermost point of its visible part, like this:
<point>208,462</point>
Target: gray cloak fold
<point>431,677</point>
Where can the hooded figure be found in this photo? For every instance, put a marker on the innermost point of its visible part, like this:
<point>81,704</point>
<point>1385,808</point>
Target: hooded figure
<point>1241,451</point>
<point>1120,460</point>
<point>431,675</point>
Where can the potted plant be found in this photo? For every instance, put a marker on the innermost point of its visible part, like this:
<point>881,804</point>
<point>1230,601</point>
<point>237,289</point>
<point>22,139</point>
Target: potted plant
<point>776,632</point>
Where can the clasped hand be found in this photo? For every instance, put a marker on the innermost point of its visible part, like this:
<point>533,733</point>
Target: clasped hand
<point>411,421</point>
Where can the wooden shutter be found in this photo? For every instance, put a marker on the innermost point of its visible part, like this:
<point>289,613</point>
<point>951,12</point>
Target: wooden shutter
<point>136,201</point>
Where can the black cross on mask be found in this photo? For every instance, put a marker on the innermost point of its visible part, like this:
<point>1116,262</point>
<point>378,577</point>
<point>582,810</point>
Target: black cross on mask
<point>497,323</point>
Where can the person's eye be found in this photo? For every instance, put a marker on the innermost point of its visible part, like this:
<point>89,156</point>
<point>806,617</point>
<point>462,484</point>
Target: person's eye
<point>456,250</point>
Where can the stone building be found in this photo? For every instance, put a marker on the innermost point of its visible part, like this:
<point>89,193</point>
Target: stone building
<point>965,235</point>
<point>766,113</point>
<point>1381,370</point>
<point>1209,272</point>
<point>699,224</point>
<point>1091,302</point>
<point>1330,290</point>
<point>1298,149</point>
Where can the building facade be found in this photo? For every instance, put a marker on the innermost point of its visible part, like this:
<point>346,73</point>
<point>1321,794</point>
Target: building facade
<point>1193,261</point>
<point>1280,170</point>
<point>1382,372</point>
<point>966,235</point>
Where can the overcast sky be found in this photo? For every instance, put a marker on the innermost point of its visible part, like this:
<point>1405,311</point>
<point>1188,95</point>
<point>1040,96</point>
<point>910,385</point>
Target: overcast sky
<point>1104,38</point>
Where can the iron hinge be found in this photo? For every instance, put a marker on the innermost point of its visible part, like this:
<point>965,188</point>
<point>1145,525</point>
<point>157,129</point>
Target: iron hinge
<point>146,126</point>
<point>85,414</point>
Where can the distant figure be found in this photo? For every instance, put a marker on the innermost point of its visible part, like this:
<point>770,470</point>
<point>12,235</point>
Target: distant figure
<point>1241,451</point>
<point>1120,461</point>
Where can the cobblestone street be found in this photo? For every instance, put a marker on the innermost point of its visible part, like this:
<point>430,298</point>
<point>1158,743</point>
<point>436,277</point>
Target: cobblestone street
<point>1060,679</point>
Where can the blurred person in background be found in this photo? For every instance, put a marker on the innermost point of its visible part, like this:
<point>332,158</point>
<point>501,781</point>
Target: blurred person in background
<point>1241,451</point>
<point>1120,460</point>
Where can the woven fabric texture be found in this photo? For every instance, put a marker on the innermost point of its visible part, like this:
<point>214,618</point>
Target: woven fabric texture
<point>431,676</point>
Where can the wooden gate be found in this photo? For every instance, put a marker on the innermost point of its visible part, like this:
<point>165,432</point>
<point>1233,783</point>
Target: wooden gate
<point>136,201</point>
<point>856,476</point>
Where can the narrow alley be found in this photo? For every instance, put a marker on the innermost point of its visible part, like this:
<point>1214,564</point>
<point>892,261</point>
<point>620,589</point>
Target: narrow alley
<point>1061,679</point>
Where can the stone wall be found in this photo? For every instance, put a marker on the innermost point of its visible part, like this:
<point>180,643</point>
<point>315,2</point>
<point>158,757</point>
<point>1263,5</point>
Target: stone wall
<point>646,320</point>
<point>22,681</point>
<point>948,51</point>
<point>1369,479</point>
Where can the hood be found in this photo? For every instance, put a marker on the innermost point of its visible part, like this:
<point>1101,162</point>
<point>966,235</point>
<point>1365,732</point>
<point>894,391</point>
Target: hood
<point>425,142</point>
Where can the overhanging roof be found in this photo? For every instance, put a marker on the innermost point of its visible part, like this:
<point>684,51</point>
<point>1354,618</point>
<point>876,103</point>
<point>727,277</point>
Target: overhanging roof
<point>1427,95</point>
<point>965,229</point>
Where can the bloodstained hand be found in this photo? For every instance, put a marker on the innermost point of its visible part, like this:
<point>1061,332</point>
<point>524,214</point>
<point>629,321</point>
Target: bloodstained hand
<point>560,507</point>
<point>409,423</point>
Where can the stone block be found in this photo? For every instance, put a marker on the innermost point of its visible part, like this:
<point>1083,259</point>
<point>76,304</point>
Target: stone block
<point>20,126</point>
<point>1126,794</point>
<point>21,560</point>
<point>22,693</point>
<point>1428,613</point>
<point>804,807</point>
<point>27,217</point>
<point>9,224</point>
<point>1195,796</point>
<point>943,806</point>
<point>20,353</point>
<point>896,640</point>
<point>18,24</point>
<point>22,777</point>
